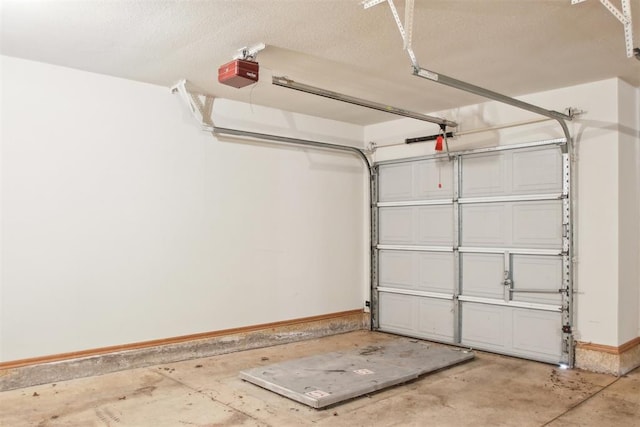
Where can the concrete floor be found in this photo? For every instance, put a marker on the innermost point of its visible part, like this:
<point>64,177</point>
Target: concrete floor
<point>490,390</point>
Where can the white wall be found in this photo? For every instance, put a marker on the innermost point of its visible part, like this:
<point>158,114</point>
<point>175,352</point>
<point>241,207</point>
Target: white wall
<point>122,221</point>
<point>629,176</point>
<point>629,213</point>
<point>607,197</point>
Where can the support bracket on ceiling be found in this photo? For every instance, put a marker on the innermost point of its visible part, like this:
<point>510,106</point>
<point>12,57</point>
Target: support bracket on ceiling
<point>249,53</point>
<point>624,16</point>
<point>406,30</point>
<point>200,109</point>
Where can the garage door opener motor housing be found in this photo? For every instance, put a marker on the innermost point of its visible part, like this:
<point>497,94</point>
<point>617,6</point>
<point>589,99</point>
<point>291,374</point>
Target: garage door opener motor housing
<point>243,70</point>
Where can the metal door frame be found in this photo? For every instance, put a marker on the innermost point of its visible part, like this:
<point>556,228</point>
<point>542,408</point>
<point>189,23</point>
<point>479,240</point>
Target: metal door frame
<point>566,290</point>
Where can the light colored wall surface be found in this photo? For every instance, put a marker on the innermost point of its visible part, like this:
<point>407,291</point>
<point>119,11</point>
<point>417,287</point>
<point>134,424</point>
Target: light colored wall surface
<point>596,217</point>
<point>596,192</point>
<point>123,222</point>
<point>629,195</point>
<point>1,203</point>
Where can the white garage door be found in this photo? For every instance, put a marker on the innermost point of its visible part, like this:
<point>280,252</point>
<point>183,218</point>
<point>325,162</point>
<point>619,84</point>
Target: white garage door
<point>475,250</point>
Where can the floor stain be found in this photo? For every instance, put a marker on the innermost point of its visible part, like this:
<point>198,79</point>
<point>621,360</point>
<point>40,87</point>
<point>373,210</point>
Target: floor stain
<point>370,350</point>
<point>147,390</point>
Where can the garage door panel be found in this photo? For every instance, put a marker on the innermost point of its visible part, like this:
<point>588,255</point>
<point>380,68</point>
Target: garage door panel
<point>482,275</point>
<point>435,225</point>
<point>485,225</point>
<point>436,272</point>
<point>536,171</point>
<point>537,224</point>
<point>396,225</point>
<point>421,271</point>
<point>417,316</point>
<point>424,180</point>
<point>435,319</point>
<point>395,182</point>
<point>510,330</point>
<point>533,171</point>
<point>484,175</point>
<point>542,273</point>
<point>485,326</point>
<point>532,224</point>
<point>537,334</point>
<point>417,225</point>
<point>398,313</point>
<point>398,269</point>
<point>434,179</point>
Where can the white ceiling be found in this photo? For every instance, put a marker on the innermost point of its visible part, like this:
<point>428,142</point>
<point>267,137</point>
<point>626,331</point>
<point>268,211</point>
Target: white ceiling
<point>510,46</point>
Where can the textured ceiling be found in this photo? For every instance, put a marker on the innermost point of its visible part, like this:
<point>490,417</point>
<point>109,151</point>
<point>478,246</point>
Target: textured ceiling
<point>510,46</point>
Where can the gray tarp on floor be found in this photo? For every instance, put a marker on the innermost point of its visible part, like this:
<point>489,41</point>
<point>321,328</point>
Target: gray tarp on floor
<point>327,379</point>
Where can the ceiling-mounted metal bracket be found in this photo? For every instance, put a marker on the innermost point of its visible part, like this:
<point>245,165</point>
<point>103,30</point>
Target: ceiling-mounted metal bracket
<point>624,17</point>
<point>201,110</point>
<point>249,53</point>
<point>366,4</point>
<point>288,83</point>
<point>574,112</point>
<point>406,30</point>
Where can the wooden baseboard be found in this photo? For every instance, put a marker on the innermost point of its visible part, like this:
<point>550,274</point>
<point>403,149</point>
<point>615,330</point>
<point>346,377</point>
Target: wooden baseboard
<point>173,340</point>
<point>610,349</point>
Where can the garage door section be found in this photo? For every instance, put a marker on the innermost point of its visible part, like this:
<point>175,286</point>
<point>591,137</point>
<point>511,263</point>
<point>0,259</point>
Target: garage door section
<point>475,251</point>
<point>417,272</point>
